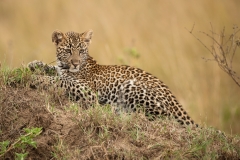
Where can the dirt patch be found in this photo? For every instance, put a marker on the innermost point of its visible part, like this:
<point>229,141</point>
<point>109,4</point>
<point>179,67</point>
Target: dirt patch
<point>25,108</point>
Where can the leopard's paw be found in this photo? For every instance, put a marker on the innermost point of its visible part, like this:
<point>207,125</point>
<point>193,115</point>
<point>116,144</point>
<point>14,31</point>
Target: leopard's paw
<point>35,65</point>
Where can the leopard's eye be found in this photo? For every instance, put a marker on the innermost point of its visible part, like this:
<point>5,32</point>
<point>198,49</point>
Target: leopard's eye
<point>81,51</point>
<point>68,50</point>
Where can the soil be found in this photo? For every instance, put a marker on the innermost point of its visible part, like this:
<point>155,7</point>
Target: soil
<point>27,108</point>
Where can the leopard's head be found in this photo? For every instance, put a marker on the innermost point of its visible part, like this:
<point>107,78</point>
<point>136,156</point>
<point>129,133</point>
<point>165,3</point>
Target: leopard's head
<point>72,49</point>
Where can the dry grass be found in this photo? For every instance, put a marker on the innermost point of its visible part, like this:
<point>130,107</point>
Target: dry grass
<point>70,132</point>
<point>155,29</point>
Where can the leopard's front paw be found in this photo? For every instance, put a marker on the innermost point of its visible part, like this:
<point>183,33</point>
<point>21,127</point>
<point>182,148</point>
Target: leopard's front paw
<point>35,65</point>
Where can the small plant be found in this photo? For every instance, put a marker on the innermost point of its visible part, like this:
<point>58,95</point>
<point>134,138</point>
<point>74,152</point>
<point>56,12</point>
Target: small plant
<point>73,108</point>
<point>136,133</point>
<point>133,52</point>
<point>21,143</point>
<point>131,55</point>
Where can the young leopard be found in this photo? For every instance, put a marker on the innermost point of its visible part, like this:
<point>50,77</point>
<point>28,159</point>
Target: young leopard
<point>127,88</point>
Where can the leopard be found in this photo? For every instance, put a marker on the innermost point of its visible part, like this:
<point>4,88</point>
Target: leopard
<point>128,89</point>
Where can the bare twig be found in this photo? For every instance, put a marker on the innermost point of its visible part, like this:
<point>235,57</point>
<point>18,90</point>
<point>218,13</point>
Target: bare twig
<point>192,28</point>
<point>223,52</point>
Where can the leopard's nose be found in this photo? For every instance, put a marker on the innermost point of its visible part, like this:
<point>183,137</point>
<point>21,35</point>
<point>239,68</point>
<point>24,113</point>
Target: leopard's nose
<point>75,63</point>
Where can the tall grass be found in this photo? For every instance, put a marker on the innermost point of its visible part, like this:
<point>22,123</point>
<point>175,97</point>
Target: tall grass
<point>156,29</point>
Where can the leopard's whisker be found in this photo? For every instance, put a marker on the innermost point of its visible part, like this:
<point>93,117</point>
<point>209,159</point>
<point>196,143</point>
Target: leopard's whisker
<point>52,62</point>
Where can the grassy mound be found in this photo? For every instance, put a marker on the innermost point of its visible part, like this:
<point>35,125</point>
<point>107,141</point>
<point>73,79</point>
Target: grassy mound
<point>38,124</point>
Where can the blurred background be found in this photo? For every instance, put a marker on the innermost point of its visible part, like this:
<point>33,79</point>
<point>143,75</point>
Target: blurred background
<point>147,34</point>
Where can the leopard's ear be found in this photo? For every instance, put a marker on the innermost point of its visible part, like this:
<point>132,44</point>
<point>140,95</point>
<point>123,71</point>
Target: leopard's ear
<point>87,36</point>
<point>57,37</point>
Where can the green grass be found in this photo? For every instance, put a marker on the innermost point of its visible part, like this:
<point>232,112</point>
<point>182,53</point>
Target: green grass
<point>14,76</point>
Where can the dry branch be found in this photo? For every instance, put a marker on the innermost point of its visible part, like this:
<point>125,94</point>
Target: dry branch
<point>223,49</point>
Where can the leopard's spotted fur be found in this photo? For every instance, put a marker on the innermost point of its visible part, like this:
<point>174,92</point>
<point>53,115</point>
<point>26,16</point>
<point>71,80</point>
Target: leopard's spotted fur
<point>125,87</point>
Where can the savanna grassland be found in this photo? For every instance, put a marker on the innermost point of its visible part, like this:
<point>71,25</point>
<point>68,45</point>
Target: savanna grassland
<point>154,30</point>
<point>152,35</point>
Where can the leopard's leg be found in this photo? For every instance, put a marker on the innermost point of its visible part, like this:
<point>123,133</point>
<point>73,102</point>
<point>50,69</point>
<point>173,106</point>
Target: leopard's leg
<point>45,68</point>
<point>78,90</point>
<point>152,104</point>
